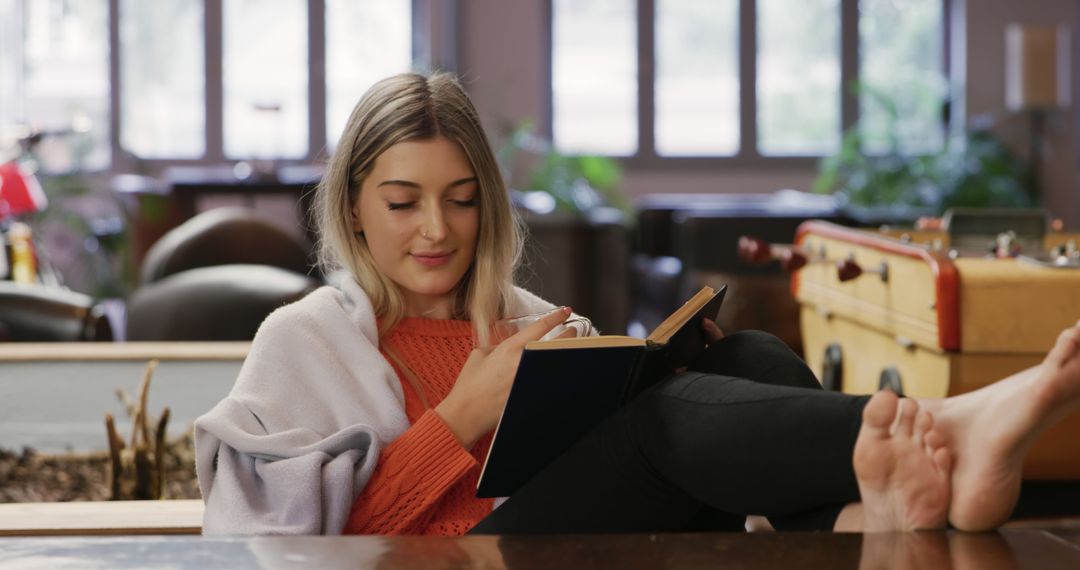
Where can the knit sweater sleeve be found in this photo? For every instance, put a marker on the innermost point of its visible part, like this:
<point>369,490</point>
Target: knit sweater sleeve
<point>413,473</point>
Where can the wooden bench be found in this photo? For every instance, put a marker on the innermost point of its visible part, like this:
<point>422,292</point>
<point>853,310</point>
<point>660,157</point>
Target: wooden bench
<point>101,518</point>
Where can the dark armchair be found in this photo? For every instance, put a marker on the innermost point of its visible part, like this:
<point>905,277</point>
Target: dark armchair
<point>216,277</point>
<point>38,313</point>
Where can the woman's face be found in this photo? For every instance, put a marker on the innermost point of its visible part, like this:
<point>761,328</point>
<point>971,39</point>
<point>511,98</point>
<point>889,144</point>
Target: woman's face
<point>419,212</point>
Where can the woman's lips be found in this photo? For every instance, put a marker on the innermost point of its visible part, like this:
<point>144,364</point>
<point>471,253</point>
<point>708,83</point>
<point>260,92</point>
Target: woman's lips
<point>432,259</point>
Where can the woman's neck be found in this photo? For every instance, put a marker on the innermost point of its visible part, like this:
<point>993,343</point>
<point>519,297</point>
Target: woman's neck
<point>428,307</point>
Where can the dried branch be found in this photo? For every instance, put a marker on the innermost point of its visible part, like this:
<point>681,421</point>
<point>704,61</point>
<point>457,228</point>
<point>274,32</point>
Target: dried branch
<point>144,391</point>
<point>115,446</point>
<point>159,454</point>
<point>138,472</point>
<point>125,400</point>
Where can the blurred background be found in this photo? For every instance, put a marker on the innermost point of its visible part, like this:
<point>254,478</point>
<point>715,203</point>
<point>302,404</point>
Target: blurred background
<point>641,137</point>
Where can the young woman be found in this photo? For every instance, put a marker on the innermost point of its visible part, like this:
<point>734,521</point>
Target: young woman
<point>365,408</point>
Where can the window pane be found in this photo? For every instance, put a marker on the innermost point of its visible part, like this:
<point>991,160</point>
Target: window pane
<point>164,109</point>
<point>10,46</point>
<point>54,76</point>
<point>798,84</point>
<point>697,77</point>
<point>594,76</point>
<point>265,78</point>
<point>902,75</point>
<point>366,40</point>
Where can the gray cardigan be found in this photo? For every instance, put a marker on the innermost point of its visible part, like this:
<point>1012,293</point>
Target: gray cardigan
<point>295,441</point>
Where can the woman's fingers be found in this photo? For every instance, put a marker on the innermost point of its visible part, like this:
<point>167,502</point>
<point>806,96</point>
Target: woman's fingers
<point>538,329</point>
<point>712,332</point>
<point>484,382</point>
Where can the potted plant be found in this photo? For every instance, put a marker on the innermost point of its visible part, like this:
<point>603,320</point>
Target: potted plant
<point>973,169</point>
<point>575,183</point>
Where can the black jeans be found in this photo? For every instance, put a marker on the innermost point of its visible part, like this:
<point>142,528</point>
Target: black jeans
<point>746,431</point>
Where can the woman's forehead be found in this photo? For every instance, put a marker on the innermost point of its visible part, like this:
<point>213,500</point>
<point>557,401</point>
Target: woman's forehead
<point>431,158</point>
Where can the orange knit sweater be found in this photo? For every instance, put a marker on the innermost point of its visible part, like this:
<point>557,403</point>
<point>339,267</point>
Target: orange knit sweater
<point>425,481</point>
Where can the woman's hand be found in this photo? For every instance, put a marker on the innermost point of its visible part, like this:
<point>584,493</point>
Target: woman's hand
<point>472,407</point>
<point>712,332</point>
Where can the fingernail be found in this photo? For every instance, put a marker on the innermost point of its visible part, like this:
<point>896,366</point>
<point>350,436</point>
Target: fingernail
<point>567,310</point>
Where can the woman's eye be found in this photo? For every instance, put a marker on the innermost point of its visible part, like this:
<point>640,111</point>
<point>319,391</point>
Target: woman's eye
<point>398,205</point>
<point>465,203</point>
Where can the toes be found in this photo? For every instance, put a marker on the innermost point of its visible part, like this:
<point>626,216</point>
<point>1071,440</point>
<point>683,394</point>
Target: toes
<point>1067,345</point>
<point>1073,339</point>
<point>934,445</point>
<point>905,424</point>
<point>942,459</point>
<point>924,422</point>
<point>1068,337</point>
<point>933,439</point>
<point>880,412</point>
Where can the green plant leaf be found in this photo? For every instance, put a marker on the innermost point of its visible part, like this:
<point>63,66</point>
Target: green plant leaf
<point>974,170</point>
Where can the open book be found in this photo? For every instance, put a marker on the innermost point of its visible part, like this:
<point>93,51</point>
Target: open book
<point>566,387</point>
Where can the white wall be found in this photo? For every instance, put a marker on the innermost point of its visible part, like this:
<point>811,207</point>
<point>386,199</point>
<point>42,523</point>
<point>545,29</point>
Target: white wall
<point>503,59</point>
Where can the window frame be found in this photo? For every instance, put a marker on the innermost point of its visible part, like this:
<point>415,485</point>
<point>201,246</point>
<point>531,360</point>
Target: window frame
<point>430,19</point>
<point>748,155</point>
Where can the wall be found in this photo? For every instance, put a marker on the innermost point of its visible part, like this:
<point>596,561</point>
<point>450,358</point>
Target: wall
<point>56,405</point>
<point>985,94</point>
<point>503,58</point>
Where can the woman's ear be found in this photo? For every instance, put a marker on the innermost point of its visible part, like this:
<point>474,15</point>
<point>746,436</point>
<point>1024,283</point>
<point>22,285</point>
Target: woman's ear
<point>357,226</point>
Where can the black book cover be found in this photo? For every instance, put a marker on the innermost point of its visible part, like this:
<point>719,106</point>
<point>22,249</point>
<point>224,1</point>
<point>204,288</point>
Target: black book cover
<point>560,409</point>
<point>679,351</point>
<point>560,394</point>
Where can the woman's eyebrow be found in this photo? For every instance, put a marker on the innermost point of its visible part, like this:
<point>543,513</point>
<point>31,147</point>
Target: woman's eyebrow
<point>398,183</point>
<point>411,184</point>
<point>462,181</point>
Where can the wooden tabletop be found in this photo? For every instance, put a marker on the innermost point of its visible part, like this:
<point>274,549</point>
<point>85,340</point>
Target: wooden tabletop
<point>111,351</point>
<point>101,518</point>
<point>1041,548</point>
<point>58,535</point>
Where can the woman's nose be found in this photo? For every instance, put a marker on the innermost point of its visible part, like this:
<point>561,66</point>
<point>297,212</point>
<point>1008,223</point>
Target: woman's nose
<point>434,227</point>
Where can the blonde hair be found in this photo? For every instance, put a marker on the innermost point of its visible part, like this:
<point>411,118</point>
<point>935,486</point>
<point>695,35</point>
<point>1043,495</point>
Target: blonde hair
<point>403,108</point>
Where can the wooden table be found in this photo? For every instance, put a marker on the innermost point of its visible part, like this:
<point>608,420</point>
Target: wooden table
<point>101,518</point>
<point>1043,548</point>
<point>123,351</point>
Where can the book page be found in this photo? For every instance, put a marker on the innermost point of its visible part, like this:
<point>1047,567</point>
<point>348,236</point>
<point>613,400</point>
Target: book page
<point>664,330</point>
<point>585,342</point>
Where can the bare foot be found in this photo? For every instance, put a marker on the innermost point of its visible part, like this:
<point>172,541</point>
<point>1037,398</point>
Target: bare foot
<point>902,467</point>
<point>991,429</point>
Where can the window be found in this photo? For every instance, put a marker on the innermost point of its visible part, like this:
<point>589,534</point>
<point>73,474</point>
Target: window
<point>265,77</point>
<point>54,77</point>
<point>163,107</point>
<point>594,77</point>
<point>798,77</point>
<point>197,81</point>
<point>697,77</point>
<point>904,83</point>
<point>746,79</point>
<point>366,40</point>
